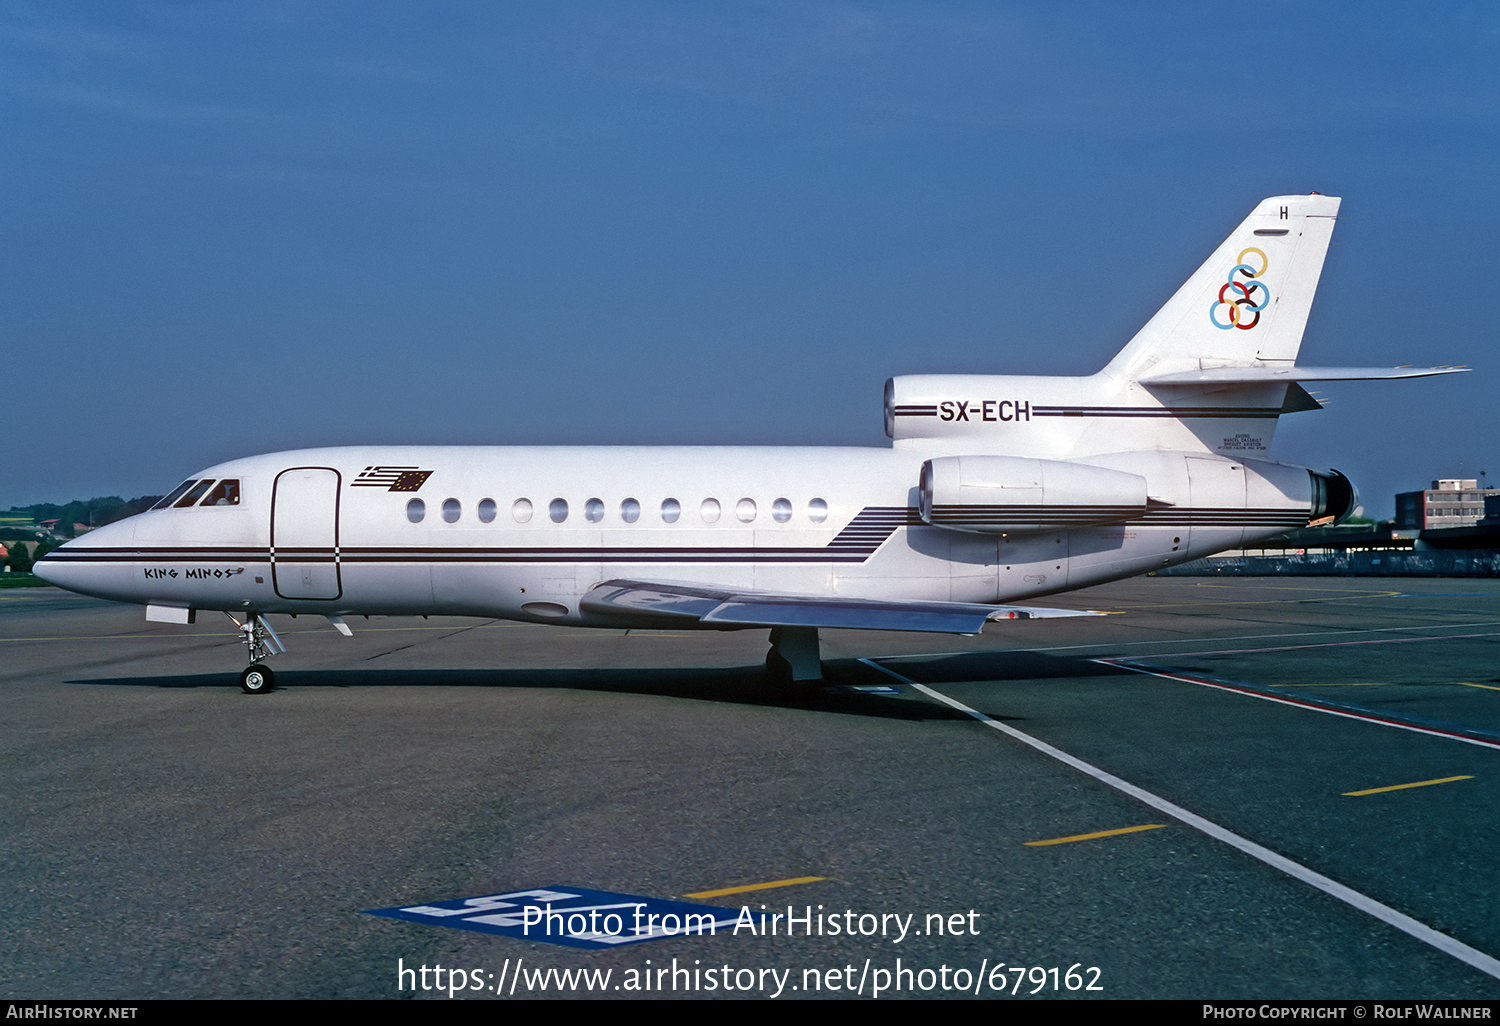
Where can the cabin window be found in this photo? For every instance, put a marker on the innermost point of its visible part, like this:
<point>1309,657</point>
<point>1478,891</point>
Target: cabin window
<point>558,510</point>
<point>593,510</point>
<point>630,511</point>
<point>194,493</point>
<point>817,511</point>
<point>486,511</point>
<point>781,510</point>
<point>520,511</point>
<point>175,493</point>
<point>416,509</point>
<point>745,510</point>
<point>709,511</point>
<point>671,509</point>
<point>452,510</point>
<point>227,493</point>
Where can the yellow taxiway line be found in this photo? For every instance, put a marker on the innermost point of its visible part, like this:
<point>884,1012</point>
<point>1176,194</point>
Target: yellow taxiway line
<point>1403,787</point>
<point>755,887</point>
<point>1098,833</point>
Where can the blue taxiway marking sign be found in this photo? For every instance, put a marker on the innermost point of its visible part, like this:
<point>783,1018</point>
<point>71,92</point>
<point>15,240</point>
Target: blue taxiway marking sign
<point>574,916</point>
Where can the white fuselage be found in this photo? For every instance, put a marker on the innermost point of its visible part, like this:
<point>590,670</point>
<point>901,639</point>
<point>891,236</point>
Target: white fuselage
<point>334,531</point>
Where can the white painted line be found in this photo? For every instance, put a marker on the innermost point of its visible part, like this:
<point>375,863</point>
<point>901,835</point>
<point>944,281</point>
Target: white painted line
<point>1301,703</point>
<point>1325,644</point>
<point>1179,641</point>
<point>1405,923</point>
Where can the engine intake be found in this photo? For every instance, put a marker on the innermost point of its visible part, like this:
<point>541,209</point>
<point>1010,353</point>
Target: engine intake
<point>1334,498</point>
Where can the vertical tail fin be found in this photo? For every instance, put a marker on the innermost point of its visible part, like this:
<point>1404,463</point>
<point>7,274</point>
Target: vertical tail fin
<point>1248,304</point>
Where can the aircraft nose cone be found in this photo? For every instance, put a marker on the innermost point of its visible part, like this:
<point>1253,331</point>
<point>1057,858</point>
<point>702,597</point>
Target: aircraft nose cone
<point>61,568</point>
<point>45,570</point>
<point>85,565</point>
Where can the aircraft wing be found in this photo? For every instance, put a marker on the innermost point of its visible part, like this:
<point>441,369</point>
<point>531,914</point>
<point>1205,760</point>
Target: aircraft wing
<point>668,604</point>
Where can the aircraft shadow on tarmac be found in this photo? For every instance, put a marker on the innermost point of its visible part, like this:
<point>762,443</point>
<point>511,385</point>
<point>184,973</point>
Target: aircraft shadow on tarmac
<point>999,666</point>
<point>839,692</point>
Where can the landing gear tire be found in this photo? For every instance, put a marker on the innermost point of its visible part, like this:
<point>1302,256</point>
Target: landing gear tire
<point>257,679</point>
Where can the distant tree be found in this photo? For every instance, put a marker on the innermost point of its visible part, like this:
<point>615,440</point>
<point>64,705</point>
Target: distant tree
<point>96,512</point>
<point>19,560</point>
<point>138,505</point>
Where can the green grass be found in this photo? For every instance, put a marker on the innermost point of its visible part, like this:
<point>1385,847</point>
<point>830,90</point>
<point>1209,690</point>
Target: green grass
<point>21,581</point>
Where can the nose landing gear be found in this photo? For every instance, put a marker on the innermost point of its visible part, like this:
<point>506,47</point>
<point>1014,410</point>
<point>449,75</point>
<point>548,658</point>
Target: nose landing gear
<point>257,679</point>
<point>261,642</point>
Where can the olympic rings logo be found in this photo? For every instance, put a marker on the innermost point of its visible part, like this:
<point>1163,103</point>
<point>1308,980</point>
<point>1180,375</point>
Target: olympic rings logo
<point>1242,300</point>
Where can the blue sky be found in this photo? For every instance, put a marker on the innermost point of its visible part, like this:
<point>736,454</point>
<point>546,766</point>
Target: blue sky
<point>236,228</point>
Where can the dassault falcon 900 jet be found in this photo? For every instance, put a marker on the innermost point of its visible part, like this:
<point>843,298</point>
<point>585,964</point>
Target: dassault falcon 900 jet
<point>994,490</point>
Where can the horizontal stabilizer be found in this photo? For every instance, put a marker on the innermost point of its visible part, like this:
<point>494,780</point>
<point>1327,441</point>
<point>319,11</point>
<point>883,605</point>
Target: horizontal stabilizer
<point>645,601</point>
<point>1270,375</point>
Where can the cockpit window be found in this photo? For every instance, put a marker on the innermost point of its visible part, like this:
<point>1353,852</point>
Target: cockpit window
<point>176,493</point>
<point>226,493</point>
<point>194,493</point>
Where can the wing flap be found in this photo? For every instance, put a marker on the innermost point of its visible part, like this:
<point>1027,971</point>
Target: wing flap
<point>656,601</point>
<point>679,603</point>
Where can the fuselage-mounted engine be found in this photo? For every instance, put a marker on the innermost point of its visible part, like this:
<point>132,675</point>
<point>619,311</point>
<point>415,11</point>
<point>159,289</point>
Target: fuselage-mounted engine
<point>1015,495</point>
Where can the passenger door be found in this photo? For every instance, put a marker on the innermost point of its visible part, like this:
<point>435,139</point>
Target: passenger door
<point>305,533</point>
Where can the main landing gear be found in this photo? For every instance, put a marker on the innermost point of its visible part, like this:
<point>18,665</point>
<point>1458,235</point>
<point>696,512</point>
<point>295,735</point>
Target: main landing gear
<point>794,655</point>
<point>261,642</point>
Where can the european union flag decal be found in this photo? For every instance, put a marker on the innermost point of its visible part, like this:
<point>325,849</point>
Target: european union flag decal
<point>392,479</point>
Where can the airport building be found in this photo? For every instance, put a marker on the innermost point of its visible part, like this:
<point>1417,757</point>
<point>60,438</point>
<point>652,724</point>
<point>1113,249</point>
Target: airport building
<point>1450,502</point>
<point>1450,529</point>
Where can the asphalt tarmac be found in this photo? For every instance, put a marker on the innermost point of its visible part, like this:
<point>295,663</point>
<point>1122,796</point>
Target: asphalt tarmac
<point>1233,825</point>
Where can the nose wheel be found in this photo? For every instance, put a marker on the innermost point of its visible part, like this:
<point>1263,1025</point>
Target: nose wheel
<point>257,679</point>
<point>260,642</point>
